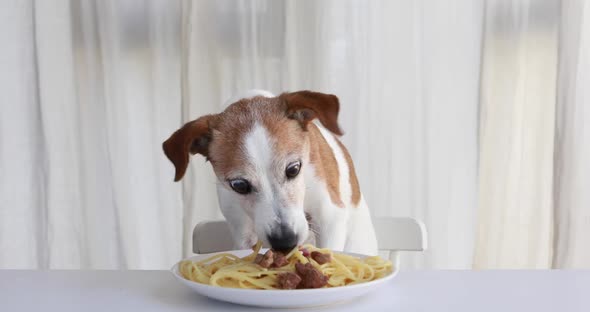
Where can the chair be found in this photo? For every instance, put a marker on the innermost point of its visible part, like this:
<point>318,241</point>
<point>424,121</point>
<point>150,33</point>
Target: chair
<point>393,234</point>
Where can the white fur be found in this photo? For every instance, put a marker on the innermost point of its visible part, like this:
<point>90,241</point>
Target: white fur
<point>361,234</point>
<point>272,206</point>
<point>259,153</point>
<point>343,170</point>
<point>241,220</point>
<point>345,228</point>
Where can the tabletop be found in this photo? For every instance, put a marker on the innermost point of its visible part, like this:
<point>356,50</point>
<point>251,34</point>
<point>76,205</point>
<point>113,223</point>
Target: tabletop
<point>511,290</point>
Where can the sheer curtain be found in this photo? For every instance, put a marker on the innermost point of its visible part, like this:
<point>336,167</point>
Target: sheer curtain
<point>518,91</point>
<point>90,89</point>
<point>533,210</point>
<point>572,135</point>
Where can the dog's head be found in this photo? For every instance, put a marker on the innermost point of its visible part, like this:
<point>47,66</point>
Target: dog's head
<point>259,148</point>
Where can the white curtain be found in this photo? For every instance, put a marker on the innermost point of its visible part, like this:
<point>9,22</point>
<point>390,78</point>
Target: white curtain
<point>90,89</point>
<point>518,90</point>
<point>572,135</point>
<point>533,209</point>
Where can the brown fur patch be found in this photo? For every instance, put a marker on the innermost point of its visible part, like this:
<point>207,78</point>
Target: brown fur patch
<point>227,136</point>
<point>237,120</point>
<point>286,133</point>
<point>321,155</point>
<point>354,182</point>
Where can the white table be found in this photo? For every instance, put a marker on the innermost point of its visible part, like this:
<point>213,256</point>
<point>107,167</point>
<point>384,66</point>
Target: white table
<point>411,291</point>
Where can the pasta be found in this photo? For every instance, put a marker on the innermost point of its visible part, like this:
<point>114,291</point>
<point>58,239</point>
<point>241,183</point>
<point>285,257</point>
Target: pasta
<point>228,270</point>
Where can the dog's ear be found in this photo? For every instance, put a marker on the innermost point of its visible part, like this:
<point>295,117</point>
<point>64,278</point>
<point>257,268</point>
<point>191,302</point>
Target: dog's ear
<point>194,137</point>
<point>304,106</point>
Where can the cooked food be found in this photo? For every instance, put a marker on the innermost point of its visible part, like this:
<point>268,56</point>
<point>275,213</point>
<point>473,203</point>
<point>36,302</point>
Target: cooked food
<point>304,267</point>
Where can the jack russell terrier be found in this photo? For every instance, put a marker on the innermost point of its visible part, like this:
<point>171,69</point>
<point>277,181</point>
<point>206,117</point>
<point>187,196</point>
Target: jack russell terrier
<point>283,178</point>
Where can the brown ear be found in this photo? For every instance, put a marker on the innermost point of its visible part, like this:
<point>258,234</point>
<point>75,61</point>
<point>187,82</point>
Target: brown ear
<point>305,106</point>
<point>193,137</point>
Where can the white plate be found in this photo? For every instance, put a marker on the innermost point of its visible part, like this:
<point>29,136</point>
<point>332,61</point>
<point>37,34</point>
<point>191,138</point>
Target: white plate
<point>294,298</point>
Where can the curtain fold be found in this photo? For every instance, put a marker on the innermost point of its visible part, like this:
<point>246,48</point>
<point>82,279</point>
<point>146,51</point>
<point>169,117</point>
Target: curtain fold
<point>572,139</point>
<point>518,90</point>
<point>23,170</point>
<point>90,90</point>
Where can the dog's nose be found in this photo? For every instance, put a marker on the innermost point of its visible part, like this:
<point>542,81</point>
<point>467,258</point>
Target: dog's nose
<point>283,239</point>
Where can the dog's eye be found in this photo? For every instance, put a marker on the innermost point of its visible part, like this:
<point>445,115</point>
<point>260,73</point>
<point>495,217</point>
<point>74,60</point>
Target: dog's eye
<point>241,186</point>
<point>293,169</point>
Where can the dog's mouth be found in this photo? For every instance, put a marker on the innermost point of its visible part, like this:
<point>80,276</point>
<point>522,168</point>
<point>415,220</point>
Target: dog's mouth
<point>285,238</point>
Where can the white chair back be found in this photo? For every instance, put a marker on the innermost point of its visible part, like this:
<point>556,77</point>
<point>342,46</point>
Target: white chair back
<point>393,235</point>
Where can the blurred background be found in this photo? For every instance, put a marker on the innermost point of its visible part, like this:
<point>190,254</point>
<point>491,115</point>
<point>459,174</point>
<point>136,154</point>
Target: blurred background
<point>467,114</point>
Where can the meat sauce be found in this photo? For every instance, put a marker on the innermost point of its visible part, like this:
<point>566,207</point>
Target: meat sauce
<point>306,276</point>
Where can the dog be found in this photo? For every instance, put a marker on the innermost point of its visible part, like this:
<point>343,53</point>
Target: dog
<point>283,175</point>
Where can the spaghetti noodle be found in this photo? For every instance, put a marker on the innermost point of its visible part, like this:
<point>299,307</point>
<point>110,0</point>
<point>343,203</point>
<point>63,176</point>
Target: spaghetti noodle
<point>228,270</point>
